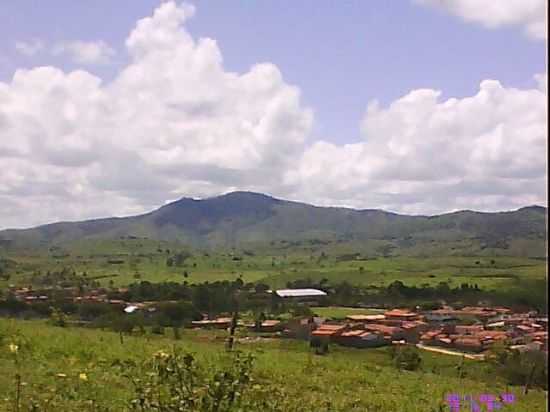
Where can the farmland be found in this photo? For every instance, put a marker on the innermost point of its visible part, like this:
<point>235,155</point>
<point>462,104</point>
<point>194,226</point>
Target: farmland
<point>121,262</point>
<point>50,362</point>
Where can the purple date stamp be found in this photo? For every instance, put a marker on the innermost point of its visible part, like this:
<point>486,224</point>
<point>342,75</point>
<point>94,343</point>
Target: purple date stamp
<point>484,402</point>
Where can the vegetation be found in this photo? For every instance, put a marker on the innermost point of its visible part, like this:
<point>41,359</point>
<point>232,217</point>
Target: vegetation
<point>247,220</point>
<point>220,257</point>
<point>405,357</point>
<point>67,369</point>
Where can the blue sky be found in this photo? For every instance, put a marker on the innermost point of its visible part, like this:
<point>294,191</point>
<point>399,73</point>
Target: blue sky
<point>123,101</point>
<point>341,55</point>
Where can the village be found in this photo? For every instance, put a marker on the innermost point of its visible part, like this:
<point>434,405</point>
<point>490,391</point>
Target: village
<point>469,330</point>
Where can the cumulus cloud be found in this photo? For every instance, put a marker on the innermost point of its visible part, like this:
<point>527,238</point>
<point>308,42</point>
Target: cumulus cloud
<point>85,52</point>
<point>29,48</point>
<point>529,14</point>
<point>422,155</point>
<point>174,123</point>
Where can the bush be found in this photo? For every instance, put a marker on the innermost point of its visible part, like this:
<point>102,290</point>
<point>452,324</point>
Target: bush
<point>521,368</point>
<point>406,358</point>
<point>176,382</point>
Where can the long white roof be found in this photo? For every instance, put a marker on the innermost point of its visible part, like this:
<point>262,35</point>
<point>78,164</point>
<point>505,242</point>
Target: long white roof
<point>287,293</point>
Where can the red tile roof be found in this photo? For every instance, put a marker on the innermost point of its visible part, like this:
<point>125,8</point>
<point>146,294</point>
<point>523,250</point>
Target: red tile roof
<point>365,318</point>
<point>382,328</point>
<point>351,333</point>
<point>328,330</point>
<point>473,342</point>
<point>323,332</point>
<point>401,313</point>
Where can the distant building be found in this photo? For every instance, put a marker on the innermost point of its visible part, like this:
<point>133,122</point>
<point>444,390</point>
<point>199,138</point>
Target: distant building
<point>365,318</point>
<point>360,338</point>
<point>309,296</point>
<point>401,314</point>
<point>218,323</point>
<point>299,293</point>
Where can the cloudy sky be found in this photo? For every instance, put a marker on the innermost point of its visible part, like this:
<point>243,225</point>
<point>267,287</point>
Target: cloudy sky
<point>414,106</point>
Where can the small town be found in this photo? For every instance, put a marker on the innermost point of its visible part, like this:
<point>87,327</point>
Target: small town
<point>469,330</point>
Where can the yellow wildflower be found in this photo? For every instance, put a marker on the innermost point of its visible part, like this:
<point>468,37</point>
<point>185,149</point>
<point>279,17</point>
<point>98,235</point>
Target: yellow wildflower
<point>83,377</point>
<point>13,347</point>
<point>161,354</point>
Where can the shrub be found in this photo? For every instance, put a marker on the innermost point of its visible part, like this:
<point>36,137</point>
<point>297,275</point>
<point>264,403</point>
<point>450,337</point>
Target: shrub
<point>521,368</point>
<point>176,382</point>
<point>406,358</point>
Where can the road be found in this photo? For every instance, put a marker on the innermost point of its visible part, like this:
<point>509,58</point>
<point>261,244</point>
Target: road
<point>451,352</point>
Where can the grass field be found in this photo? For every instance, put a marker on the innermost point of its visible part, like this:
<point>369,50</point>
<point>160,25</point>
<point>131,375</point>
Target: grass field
<point>50,361</point>
<point>142,259</point>
<point>340,312</point>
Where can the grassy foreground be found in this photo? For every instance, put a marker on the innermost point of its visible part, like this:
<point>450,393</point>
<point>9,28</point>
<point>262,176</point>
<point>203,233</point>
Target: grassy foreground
<point>82,369</point>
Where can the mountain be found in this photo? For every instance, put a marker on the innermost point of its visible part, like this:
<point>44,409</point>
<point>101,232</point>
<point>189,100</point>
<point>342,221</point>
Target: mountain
<point>246,218</point>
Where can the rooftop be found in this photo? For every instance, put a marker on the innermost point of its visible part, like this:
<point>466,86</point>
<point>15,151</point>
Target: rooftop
<point>400,313</point>
<point>288,293</point>
<point>359,318</point>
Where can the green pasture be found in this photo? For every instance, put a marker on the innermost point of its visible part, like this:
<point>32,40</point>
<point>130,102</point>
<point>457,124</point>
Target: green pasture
<point>50,361</point>
<point>340,312</point>
<point>120,262</point>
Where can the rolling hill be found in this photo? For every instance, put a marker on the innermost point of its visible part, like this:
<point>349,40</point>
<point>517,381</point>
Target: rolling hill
<point>245,218</point>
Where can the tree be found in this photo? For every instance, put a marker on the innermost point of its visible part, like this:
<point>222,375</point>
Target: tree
<point>443,289</point>
<point>521,368</point>
<point>261,287</point>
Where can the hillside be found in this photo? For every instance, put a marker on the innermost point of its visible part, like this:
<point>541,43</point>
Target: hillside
<point>241,219</point>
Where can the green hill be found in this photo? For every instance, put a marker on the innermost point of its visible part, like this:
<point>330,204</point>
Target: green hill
<point>242,219</point>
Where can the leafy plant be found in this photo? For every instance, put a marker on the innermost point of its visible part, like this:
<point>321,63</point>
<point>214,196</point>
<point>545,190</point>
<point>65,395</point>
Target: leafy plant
<point>175,382</point>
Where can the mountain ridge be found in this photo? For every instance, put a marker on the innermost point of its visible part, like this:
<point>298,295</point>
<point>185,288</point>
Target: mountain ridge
<point>239,218</point>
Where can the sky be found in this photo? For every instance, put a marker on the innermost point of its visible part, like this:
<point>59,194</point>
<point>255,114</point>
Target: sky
<point>414,106</point>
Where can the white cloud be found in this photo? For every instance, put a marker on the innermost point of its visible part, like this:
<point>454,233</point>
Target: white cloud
<point>85,52</point>
<point>172,122</point>
<point>423,155</point>
<point>175,123</point>
<point>29,48</point>
<point>530,14</point>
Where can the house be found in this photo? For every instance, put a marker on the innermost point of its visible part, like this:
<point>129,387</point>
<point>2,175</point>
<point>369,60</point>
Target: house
<point>413,330</point>
<point>442,340</point>
<point>401,314</point>
<point>218,323</point>
<point>326,333</point>
<point>468,344</point>
<point>429,336</point>
<point>391,332</point>
<point>495,325</point>
<point>267,326</point>
<point>492,335</point>
<point>482,313</point>
<point>440,315</point>
<point>365,318</point>
<point>329,330</point>
<point>467,329</point>
<point>359,338</point>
